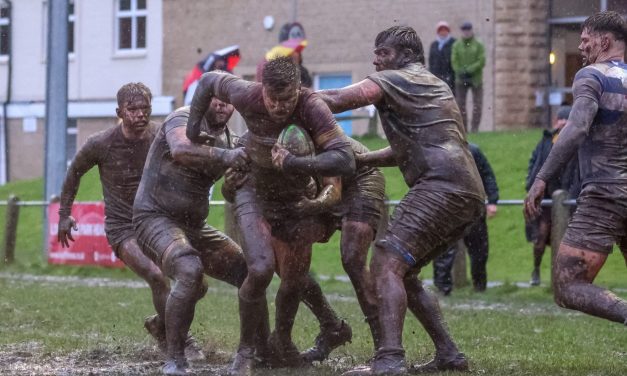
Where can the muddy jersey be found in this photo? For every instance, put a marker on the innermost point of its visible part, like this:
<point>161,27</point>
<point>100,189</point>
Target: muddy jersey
<point>424,127</point>
<point>120,164</point>
<point>311,113</point>
<point>172,189</point>
<point>603,154</point>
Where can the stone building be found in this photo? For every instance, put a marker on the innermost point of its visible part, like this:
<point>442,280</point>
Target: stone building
<point>531,55</point>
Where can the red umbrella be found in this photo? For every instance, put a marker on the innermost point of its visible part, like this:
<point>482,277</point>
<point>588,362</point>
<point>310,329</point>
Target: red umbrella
<point>225,59</point>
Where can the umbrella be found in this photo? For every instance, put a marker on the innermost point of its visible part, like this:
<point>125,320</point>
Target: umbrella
<point>286,48</point>
<point>224,59</point>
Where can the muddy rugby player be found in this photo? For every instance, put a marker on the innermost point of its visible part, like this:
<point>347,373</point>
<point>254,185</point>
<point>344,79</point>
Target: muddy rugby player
<point>428,142</point>
<point>120,153</point>
<point>262,205</point>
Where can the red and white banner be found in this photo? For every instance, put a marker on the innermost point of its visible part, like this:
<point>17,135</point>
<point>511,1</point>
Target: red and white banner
<point>90,245</point>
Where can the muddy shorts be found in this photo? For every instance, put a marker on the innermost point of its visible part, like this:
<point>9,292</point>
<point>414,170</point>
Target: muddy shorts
<point>156,233</point>
<point>600,219</point>
<point>118,231</point>
<point>363,200</point>
<point>427,221</point>
<point>284,223</point>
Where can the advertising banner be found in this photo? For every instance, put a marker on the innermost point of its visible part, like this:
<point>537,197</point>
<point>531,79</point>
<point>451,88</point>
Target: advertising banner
<point>90,245</point>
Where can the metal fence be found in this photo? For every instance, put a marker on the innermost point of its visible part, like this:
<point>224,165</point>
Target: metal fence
<point>560,215</point>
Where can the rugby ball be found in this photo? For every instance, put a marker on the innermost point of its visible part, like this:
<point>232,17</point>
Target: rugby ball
<point>297,141</point>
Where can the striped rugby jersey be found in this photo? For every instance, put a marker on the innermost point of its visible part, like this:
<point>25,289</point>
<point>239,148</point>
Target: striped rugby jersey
<point>603,154</point>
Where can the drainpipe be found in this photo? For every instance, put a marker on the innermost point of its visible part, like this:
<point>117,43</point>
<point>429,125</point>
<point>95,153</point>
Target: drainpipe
<point>4,145</point>
<point>294,10</point>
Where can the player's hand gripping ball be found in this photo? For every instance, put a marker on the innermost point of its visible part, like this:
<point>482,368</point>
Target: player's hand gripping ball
<point>293,140</point>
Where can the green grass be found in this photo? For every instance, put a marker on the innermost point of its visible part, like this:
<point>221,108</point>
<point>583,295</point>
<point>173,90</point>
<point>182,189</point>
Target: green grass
<point>510,254</point>
<point>508,330</point>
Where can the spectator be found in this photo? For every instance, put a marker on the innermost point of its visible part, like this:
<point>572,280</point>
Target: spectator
<point>294,49</point>
<point>468,60</point>
<point>538,231</point>
<point>477,238</point>
<point>440,55</point>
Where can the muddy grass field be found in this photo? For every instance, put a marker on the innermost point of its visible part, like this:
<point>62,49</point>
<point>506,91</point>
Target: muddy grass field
<point>94,326</point>
<point>31,359</point>
<point>64,344</point>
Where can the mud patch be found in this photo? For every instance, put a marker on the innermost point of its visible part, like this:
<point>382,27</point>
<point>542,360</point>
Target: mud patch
<point>31,359</point>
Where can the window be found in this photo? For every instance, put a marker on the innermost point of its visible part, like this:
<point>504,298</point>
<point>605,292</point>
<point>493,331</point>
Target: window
<point>70,27</point>
<point>5,37</point>
<point>131,25</point>
<point>336,81</point>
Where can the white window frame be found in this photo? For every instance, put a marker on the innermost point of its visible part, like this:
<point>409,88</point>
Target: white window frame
<point>133,14</point>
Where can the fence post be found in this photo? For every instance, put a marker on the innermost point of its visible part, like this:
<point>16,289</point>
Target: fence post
<point>372,125</point>
<point>10,230</point>
<point>560,215</point>
<point>458,273</point>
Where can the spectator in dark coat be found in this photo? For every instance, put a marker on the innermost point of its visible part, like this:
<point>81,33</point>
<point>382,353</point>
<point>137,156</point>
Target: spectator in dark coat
<point>440,55</point>
<point>538,231</point>
<point>477,238</point>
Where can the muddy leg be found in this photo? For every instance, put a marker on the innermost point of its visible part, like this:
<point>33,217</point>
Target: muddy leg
<point>575,271</point>
<point>354,245</point>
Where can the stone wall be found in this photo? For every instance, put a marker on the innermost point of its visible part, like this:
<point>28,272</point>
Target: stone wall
<point>521,62</point>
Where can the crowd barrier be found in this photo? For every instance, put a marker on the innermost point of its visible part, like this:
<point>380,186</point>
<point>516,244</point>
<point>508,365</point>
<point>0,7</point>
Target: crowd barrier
<point>559,204</point>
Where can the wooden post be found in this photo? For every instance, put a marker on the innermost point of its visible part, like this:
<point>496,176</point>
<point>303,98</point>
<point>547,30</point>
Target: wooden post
<point>560,215</point>
<point>460,279</point>
<point>10,230</point>
<point>372,125</point>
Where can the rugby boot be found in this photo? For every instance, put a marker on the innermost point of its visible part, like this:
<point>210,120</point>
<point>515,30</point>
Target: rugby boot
<point>535,277</point>
<point>156,328</point>
<point>284,354</point>
<point>242,363</point>
<point>458,362</point>
<point>175,367</point>
<point>327,341</point>
<point>359,371</point>
<point>193,351</point>
<point>264,357</point>
<point>387,362</point>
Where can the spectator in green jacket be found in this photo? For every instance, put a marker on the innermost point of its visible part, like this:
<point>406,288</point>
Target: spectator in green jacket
<point>468,60</point>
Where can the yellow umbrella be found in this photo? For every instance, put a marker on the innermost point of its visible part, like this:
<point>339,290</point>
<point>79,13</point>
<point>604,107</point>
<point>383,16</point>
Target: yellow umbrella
<point>286,48</point>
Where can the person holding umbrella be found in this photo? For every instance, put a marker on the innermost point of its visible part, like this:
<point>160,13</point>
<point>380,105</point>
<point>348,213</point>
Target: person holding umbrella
<point>223,59</point>
<point>290,47</point>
